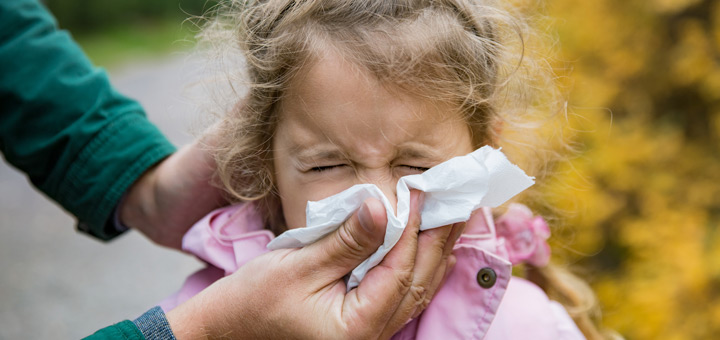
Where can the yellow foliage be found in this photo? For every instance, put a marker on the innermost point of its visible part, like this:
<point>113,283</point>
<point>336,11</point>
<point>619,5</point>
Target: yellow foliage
<point>669,6</point>
<point>642,197</point>
<point>692,60</point>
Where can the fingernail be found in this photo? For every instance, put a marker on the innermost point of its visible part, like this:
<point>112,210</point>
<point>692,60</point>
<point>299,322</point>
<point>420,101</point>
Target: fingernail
<point>418,200</point>
<point>365,218</point>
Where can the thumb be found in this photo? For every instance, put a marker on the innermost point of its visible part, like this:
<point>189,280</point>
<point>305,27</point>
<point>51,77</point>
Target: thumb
<point>354,241</point>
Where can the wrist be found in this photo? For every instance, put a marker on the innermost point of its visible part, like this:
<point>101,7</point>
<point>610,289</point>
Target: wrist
<point>137,209</point>
<point>184,325</point>
<point>197,319</point>
<point>225,309</point>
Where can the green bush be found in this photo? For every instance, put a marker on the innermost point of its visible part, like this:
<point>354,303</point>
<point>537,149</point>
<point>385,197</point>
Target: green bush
<point>91,15</point>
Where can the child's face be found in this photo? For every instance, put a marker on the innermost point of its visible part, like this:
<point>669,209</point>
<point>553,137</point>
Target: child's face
<point>340,127</point>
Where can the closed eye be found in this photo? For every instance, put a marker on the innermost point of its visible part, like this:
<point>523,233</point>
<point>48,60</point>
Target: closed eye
<point>326,167</point>
<point>415,168</point>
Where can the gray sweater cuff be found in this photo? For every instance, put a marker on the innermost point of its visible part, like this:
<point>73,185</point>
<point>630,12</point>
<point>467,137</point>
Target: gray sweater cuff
<point>154,326</point>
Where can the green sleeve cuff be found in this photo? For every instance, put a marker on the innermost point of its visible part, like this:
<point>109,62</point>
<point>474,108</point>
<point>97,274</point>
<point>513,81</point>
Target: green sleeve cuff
<point>104,170</point>
<point>125,330</point>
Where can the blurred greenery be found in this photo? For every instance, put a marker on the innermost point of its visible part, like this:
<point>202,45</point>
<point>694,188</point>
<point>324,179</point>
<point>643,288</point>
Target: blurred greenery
<point>93,15</point>
<point>116,45</point>
<point>115,31</point>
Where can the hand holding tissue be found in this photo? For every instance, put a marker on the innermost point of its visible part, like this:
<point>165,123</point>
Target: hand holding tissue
<point>453,190</point>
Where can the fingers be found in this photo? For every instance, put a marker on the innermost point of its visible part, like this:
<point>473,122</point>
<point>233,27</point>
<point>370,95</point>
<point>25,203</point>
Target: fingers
<point>433,262</point>
<point>401,286</point>
<point>446,263</point>
<point>381,291</point>
<point>344,249</point>
<point>429,259</point>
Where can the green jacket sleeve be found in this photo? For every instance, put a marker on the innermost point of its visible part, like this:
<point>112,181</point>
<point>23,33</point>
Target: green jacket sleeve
<point>125,330</point>
<point>61,122</point>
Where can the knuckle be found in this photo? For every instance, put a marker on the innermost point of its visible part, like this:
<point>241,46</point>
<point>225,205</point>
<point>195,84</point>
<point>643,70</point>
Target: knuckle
<point>424,303</point>
<point>417,294</point>
<point>404,280</point>
<point>349,243</point>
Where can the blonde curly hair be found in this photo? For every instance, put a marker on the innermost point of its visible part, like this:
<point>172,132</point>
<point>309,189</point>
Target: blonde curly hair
<point>474,54</point>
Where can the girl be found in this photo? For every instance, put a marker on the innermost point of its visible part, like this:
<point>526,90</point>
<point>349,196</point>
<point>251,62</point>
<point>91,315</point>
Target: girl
<point>344,92</point>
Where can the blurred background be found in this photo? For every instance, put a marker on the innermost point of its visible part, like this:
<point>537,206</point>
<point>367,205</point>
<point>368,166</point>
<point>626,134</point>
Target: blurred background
<point>644,192</point>
<point>641,197</point>
<point>56,283</point>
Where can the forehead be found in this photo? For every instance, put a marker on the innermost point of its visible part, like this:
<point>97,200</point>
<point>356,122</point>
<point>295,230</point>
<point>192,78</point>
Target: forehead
<point>343,103</point>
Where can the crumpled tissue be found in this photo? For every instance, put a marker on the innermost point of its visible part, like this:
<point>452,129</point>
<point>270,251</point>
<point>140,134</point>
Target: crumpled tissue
<point>453,190</point>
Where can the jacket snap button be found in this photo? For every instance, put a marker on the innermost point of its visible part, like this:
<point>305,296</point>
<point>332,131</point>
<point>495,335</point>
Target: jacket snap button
<point>486,277</point>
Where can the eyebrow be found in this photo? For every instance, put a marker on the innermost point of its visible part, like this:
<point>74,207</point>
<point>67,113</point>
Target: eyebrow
<point>313,154</point>
<point>414,152</point>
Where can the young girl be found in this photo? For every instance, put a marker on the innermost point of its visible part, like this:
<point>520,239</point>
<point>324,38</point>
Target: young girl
<point>346,92</point>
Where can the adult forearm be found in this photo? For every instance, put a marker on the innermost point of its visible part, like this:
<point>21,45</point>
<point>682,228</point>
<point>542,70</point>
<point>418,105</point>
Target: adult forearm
<point>62,123</point>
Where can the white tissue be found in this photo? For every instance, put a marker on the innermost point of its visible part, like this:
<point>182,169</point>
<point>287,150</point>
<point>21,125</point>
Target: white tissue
<point>453,190</point>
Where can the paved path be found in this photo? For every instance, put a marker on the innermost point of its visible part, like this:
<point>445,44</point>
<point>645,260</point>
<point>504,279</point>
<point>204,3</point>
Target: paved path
<point>56,283</point>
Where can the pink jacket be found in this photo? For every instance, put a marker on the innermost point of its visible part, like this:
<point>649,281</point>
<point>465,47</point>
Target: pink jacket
<point>479,300</point>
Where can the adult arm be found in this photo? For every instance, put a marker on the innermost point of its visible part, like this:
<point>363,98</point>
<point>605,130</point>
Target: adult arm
<point>77,139</point>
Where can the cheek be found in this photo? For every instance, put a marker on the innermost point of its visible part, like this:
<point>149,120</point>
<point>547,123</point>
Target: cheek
<point>295,189</point>
<point>293,210</point>
<point>294,197</point>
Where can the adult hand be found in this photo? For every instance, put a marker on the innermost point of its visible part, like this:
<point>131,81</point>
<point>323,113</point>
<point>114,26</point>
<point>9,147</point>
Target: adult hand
<point>170,197</point>
<point>300,293</point>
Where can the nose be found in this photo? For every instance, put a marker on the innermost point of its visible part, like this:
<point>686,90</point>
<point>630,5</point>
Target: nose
<point>386,182</point>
